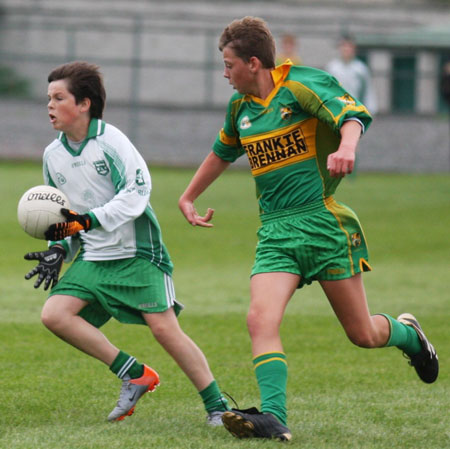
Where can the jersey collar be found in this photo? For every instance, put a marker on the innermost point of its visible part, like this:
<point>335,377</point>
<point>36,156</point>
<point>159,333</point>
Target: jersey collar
<point>281,71</point>
<point>96,128</point>
<point>279,74</point>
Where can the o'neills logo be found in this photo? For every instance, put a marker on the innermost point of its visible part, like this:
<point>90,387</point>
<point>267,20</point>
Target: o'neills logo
<point>269,153</point>
<point>54,197</point>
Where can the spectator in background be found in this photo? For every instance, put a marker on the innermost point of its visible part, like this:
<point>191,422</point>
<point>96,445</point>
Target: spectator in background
<point>288,50</point>
<point>353,74</point>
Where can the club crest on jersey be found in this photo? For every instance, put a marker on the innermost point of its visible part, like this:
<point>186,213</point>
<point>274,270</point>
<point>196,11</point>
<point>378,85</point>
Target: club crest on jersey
<point>356,239</point>
<point>286,113</point>
<point>347,99</point>
<point>101,167</point>
<point>245,123</point>
<point>60,178</point>
<point>140,181</point>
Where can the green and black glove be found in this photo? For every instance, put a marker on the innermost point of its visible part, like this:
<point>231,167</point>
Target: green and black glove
<point>75,223</point>
<point>50,263</point>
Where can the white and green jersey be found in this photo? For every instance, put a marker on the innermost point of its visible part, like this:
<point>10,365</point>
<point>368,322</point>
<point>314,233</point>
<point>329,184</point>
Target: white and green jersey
<point>107,178</point>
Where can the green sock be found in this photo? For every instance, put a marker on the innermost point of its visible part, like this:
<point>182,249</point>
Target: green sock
<point>126,364</point>
<point>403,336</point>
<point>213,399</point>
<point>271,373</point>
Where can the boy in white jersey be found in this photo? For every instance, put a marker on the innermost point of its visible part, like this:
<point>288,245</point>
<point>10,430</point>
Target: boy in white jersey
<point>122,268</point>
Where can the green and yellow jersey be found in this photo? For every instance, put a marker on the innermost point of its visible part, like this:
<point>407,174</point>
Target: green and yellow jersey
<point>288,136</point>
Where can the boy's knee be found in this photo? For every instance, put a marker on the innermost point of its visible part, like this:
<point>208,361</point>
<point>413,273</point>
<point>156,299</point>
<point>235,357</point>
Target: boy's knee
<point>49,318</point>
<point>162,330</point>
<point>252,322</point>
<point>260,324</point>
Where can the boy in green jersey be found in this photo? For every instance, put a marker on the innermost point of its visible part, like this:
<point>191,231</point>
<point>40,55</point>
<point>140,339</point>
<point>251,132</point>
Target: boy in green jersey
<point>299,129</point>
<point>123,269</point>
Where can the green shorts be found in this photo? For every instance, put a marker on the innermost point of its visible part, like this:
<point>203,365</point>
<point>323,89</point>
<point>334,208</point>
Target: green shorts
<point>318,241</point>
<point>123,289</point>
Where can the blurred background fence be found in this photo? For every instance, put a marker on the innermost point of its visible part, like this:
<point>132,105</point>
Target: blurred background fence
<point>163,72</point>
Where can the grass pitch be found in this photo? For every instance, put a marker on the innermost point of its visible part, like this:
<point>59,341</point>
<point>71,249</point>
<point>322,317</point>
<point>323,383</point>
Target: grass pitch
<point>339,396</point>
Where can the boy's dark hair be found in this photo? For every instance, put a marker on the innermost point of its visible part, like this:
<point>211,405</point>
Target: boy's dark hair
<point>84,80</point>
<point>250,36</point>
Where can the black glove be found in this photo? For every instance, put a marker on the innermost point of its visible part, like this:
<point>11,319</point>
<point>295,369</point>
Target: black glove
<point>75,223</point>
<point>50,263</point>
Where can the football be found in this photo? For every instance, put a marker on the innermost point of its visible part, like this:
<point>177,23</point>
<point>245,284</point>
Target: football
<point>40,207</point>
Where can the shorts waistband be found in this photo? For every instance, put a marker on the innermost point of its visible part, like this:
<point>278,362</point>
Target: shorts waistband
<point>300,210</point>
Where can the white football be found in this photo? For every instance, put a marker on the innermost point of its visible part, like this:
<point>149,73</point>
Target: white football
<point>40,207</point>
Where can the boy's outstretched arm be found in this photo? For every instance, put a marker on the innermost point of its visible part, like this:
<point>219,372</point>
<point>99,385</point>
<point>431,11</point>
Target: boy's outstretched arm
<point>210,169</point>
